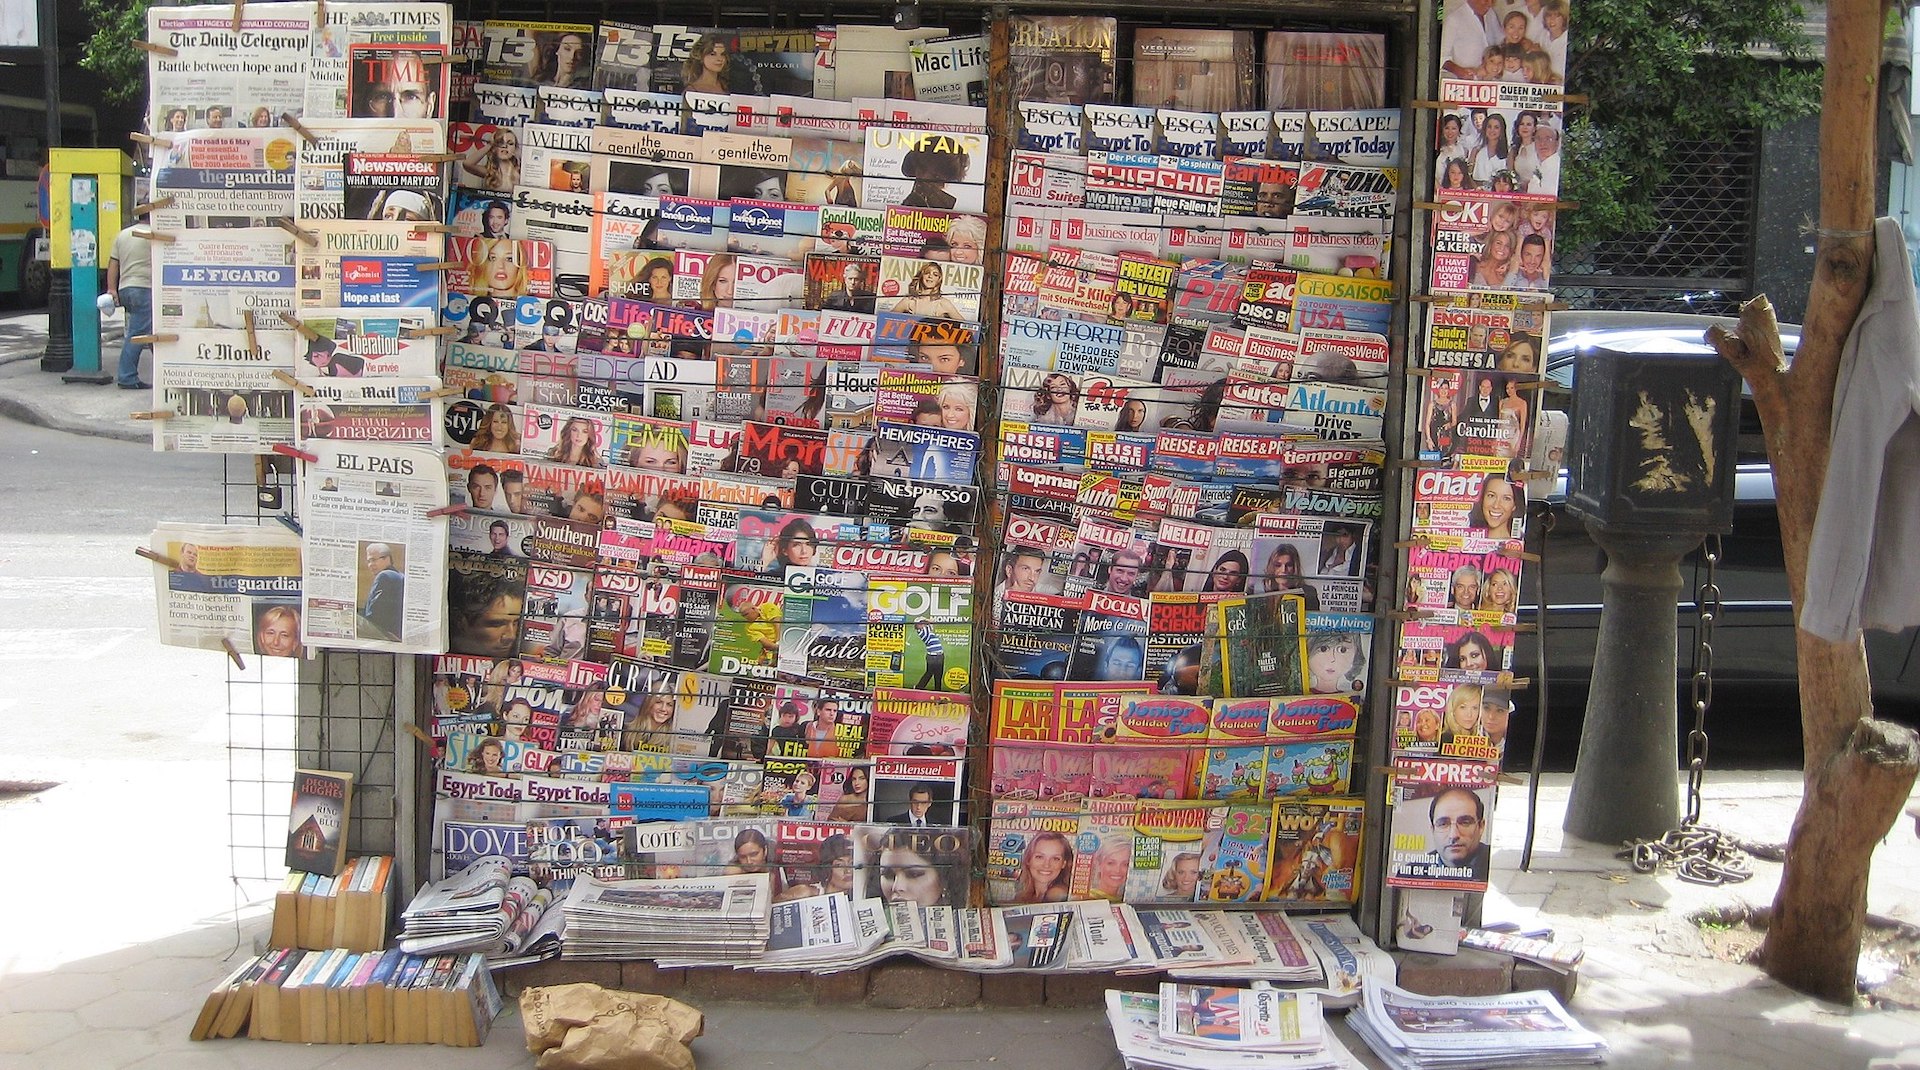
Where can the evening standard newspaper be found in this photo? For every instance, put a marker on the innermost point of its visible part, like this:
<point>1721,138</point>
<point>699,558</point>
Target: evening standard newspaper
<point>222,78</point>
<point>321,190</point>
<point>224,584</point>
<point>221,393</point>
<point>376,566</point>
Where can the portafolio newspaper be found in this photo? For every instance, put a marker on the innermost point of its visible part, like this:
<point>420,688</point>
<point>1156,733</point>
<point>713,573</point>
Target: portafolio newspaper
<point>223,79</point>
<point>376,564</point>
<point>224,584</point>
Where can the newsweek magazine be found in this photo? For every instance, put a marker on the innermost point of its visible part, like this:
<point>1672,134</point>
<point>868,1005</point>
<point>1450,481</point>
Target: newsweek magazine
<point>320,173</point>
<point>1441,837</point>
<point>376,564</point>
<point>223,395</point>
<point>237,584</point>
<point>221,75</point>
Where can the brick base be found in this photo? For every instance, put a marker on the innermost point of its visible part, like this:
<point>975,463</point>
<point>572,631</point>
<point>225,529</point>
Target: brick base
<point>899,984</point>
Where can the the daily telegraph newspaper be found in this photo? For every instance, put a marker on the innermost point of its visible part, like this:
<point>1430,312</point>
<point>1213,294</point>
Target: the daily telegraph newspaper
<point>224,179</point>
<point>376,567</point>
<point>222,79</point>
<point>221,393</point>
<point>1441,809</point>
<point>347,25</point>
<point>209,279</point>
<point>226,584</point>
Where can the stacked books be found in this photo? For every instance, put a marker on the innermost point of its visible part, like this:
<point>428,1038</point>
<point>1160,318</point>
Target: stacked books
<point>314,911</point>
<point>1203,1027</point>
<point>1521,1029</point>
<point>337,996</point>
<point>690,921</point>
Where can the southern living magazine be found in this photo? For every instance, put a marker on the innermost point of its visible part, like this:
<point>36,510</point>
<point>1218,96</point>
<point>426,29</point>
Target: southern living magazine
<point>317,821</point>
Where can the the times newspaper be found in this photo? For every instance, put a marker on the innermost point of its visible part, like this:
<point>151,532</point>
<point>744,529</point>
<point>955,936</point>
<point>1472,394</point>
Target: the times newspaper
<point>228,584</point>
<point>376,564</point>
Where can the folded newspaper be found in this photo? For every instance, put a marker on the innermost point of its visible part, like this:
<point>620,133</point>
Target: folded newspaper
<point>703,920</point>
<point>1136,1018</point>
<point>1522,1029</point>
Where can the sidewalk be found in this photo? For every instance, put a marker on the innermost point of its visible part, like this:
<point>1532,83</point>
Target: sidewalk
<point>93,982</point>
<point>36,397</point>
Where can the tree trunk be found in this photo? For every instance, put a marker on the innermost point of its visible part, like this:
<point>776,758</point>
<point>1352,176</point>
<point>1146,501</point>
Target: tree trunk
<point>1858,770</point>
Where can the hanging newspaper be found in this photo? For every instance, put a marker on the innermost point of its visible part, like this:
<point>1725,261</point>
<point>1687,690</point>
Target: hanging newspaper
<point>224,179</point>
<point>370,410</point>
<point>220,585</point>
<point>348,25</point>
<point>221,394</point>
<point>357,342</point>
<point>321,189</point>
<point>207,279</point>
<point>376,566</point>
<point>222,79</point>
<point>368,264</point>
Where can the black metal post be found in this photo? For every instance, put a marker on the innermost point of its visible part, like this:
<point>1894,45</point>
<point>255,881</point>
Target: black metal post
<point>1626,782</point>
<point>58,356</point>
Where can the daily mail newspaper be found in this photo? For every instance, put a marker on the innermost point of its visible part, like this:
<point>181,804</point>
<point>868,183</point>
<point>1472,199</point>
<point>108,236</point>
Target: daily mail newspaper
<point>221,393</point>
<point>224,178</point>
<point>223,584</point>
<point>370,410</point>
<point>208,279</point>
<point>222,79</point>
<point>347,25</point>
<point>376,566</point>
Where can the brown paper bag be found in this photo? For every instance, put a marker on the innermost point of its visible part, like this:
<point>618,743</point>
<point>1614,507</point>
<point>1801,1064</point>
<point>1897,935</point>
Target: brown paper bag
<point>586,1027</point>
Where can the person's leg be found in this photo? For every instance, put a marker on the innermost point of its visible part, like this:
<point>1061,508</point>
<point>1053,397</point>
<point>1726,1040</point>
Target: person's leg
<point>138,301</point>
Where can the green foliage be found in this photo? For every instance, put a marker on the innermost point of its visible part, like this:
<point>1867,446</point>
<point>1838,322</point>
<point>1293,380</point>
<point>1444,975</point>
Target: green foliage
<point>1661,75</point>
<point>110,51</point>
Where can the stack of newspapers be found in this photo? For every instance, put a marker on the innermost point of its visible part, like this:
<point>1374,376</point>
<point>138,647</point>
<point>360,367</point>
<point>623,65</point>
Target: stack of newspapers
<point>690,921</point>
<point>1213,1027</point>
<point>472,910</point>
<point>1521,1029</point>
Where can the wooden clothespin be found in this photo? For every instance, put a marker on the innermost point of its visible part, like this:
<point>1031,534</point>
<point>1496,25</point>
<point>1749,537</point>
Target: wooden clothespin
<point>456,509</point>
<point>439,157</point>
<point>307,237</point>
<point>150,339</point>
<point>319,12</point>
<point>149,139</point>
<point>253,334</point>
<point>428,332</point>
<point>156,414</point>
<point>436,59</point>
<point>160,236</point>
<point>153,206</point>
<point>157,557</point>
<point>417,732</point>
<point>234,653</point>
<point>444,392</point>
<point>294,321</point>
<point>432,228</point>
<point>292,121</point>
<point>438,265</point>
<point>159,50</point>
<point>305,390</point>
<point>239,12</point>
<point>285,450</point>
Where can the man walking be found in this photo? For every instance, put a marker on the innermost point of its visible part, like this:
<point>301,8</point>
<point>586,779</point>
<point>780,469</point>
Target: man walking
<point>130,281</point>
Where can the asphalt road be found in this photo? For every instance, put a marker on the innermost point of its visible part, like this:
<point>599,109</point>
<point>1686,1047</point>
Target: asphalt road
<point>86,680</point>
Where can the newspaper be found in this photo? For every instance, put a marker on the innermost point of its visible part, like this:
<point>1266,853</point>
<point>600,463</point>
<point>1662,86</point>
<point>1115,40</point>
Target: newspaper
<point>207,279</point>
<point>222,79</point>
<point>365,263</point>
<point>1524,1028</point>
<point>376,565</point>
<point>237,584</point>
<point>1135,1018</point>
<point>370,410</point>
<point>224,178</point>
<point>1240,1019</point>
<point>321,190</point>
<point>347,25</point>
<point>370,342</point>
<point>222,395</point>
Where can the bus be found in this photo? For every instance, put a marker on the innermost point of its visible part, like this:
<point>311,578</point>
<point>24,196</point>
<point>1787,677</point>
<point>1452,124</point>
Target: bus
<point>24,267</point>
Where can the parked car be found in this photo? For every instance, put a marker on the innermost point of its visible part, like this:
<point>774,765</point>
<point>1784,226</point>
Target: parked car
<point>1754,718</point>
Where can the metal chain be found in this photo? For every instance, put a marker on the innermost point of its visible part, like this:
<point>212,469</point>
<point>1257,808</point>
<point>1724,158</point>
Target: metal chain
<point>1698,854</point>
